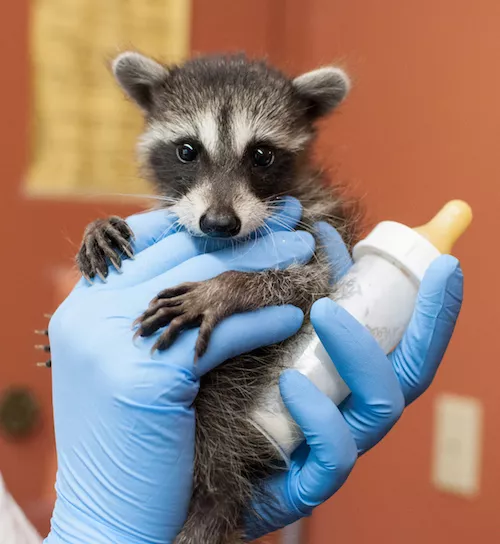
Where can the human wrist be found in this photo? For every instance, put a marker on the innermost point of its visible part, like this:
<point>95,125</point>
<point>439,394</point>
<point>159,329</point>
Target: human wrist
<point>70,524</point>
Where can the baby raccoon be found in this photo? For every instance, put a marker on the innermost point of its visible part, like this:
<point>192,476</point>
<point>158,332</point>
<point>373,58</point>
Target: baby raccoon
<point>224,138</point>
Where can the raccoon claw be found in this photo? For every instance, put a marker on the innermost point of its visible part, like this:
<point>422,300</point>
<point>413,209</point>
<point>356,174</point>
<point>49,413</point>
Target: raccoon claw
<point>176,326</point>
<point>105,241</point>
<point>102,276</point>
<point>181,323</point>
<point>183,307</point>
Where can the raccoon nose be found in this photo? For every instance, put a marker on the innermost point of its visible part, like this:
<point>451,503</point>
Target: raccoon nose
<point>222,225</point>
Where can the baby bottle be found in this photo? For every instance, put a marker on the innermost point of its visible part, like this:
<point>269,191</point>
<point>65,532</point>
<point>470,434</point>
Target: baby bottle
<point>380,291</point>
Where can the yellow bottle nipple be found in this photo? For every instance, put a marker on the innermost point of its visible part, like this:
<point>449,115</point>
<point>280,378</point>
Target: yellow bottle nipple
<point>446,227</point>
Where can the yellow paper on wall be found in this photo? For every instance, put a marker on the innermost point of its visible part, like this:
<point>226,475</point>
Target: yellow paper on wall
<point>83,130</point>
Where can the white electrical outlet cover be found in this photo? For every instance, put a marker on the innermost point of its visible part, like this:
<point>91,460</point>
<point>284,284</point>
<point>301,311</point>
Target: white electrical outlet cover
<point>458,435</point>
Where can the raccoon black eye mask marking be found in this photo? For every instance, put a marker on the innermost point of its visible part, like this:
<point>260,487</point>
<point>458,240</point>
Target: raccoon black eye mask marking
<point>174,166</point>
<point>270,170</point>
<point>224,136</point>
<point>186,172</point>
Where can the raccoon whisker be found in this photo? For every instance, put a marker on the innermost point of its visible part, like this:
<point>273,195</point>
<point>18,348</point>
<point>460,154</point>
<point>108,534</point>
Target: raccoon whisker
<point>301,224</point>
<point>311,247</point>
<point>235,244</point>
<point>242,241</point>
<point>281,222</point>
<point>176,224</point>
<point>173,227</point>
<point>250,236</point>
<point>147,210</point>
<point>193,233</point>
<point>336,218</point>
<point>255,241</point>
<point>177,192</point>
<point>275,198</point>
<point>270,231</point>
<point>274,201</point>
<point>151,197</point>
<point>183,221</point>
<point>273,205</point>
<point>305,227</point>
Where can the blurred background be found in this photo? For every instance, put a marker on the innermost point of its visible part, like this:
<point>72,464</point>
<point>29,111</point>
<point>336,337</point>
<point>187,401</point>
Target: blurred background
<point>421,127</point>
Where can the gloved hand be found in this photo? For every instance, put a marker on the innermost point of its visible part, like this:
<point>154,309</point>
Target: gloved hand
<point>380,387</point>
<point>124,418</point>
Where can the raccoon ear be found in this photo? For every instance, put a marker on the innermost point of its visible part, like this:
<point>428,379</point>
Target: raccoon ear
<point>137,75</point>
<point>324,89</point>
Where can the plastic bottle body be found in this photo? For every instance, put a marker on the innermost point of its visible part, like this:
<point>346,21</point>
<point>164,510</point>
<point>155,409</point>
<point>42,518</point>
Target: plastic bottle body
<point>381,296</point>
<point>379,291</point>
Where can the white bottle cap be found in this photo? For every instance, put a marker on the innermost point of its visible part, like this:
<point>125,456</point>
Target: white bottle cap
<point>401,245</point>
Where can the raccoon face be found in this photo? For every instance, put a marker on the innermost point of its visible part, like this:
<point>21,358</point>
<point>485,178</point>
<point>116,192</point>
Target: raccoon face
<point>225,135</point>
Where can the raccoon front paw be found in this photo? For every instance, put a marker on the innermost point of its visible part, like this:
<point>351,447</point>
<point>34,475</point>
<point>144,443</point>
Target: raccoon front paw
<point>189,305</point>
<point>104,240</point>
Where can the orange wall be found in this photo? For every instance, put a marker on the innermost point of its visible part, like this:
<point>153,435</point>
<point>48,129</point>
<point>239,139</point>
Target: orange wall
<point>422,126</point>
<point>419,128</point>
<point>38,237</point>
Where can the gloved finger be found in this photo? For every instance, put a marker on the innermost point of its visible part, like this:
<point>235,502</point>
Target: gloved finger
<point>275,251</point>
<point>150,227</point>
<point>333,450</point>
<point>286,216</point>
<point>152,261</point>
<point>338,255</point>
<point>318,468</point>
<point>417,357</point>
<point>238,334</point>
<point>165,246</point>
<point>287,212</point>
<point>376,402</point>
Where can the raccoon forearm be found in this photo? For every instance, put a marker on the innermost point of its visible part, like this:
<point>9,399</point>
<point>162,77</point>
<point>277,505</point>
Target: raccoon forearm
<point>297,285</point>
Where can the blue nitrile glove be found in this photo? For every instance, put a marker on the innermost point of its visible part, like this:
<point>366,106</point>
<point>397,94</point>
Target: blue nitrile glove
<point>124,419</point>
<point>381,386</point>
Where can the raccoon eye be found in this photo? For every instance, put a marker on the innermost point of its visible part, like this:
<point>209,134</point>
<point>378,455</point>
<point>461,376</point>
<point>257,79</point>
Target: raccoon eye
<point>263,156</point>
<point>186,152</point>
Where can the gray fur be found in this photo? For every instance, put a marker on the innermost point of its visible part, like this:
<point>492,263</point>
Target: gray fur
<point>138,76</point>
<point>227,107</point>
<point>324,89</point>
